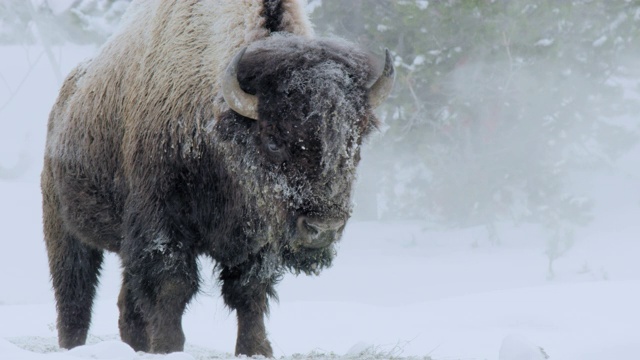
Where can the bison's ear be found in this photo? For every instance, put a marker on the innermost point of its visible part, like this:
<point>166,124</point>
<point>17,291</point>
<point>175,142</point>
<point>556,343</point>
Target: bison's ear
<point>381,88</point>
<point>239,101</point>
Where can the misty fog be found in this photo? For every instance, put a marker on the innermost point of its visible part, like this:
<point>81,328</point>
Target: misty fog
<point>503,112</point>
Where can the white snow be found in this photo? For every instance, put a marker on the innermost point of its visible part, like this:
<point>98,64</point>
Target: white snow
<point>600,41</point>
<point>544,42</point>
<point>311,5</point>
<point>422,4</point>
<point>57,6</point>
<point>396,289</point>
<point>517,347</point>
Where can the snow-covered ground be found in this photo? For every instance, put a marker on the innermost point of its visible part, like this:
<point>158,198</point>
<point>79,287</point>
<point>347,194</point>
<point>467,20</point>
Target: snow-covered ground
<point>396,289</point>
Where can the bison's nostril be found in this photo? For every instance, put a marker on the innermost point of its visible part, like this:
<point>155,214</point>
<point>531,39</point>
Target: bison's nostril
<point>316,226</point>
<point>316,233</point>
<point>311,228</point>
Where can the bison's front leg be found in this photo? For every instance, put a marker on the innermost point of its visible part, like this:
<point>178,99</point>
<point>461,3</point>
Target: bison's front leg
<point>162,277</point>
<point>248,296</point>
<point>133,326</point>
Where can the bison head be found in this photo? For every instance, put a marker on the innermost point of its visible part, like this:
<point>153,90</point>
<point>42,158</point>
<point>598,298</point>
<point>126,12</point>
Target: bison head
<point>307,106</point>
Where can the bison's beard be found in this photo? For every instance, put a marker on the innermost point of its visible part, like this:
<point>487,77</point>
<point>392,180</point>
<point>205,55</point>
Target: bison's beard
<point>307,260</point>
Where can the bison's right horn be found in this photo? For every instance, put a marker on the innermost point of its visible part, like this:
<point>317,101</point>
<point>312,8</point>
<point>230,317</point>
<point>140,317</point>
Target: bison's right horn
<point>380,90</point>
<point>239,101</point>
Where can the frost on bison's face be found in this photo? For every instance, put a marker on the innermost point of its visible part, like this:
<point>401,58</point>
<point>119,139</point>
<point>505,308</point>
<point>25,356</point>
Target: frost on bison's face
<point>299,155</point>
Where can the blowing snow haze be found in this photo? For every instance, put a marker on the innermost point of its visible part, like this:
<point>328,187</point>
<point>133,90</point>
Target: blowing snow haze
<point>501,107</point>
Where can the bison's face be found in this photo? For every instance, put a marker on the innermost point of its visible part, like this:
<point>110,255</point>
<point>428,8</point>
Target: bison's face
<point>311,106</point>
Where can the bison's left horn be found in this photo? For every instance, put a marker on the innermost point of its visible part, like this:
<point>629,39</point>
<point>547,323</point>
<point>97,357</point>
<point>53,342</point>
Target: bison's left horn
<point>239,101</point>
<point>381,88</point>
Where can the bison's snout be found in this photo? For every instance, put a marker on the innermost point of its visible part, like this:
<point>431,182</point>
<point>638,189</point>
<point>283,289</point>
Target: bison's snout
<point>318,233</point>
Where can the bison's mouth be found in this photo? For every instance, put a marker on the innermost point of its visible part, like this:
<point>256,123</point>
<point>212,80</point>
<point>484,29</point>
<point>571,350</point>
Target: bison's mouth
<point>312,246</point>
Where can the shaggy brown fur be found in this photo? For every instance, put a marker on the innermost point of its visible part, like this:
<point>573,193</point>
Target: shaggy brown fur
<point>145,159</point>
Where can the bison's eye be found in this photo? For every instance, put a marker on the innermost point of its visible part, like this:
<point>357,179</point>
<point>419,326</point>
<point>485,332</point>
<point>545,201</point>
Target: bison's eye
<point>273,146</point>
<point>276,151</point>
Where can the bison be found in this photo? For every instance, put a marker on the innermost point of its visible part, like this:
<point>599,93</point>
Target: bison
<point>221,128</point>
